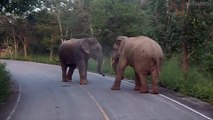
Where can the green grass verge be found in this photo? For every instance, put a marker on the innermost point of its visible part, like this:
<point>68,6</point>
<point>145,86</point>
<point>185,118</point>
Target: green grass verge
<point>35,58</point>
<point>192,83</point>
<point>4,83</point>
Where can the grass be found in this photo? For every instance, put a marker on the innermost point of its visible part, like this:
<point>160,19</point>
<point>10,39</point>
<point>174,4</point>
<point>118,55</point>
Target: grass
<point>35,58</point>
<point>193,83</point>
<point>4,83</point>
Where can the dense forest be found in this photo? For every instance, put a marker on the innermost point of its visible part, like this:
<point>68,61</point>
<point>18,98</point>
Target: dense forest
<point>184,28</point>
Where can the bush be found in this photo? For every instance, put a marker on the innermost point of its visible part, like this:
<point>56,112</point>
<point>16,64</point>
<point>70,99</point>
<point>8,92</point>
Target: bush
<point>171,74</point>
<point>198,85</point>
<point>4,83</point>
<point>193,83</point>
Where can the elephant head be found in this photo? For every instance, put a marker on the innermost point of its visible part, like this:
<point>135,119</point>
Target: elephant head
<point>93,49</point>
<point>117,48</point>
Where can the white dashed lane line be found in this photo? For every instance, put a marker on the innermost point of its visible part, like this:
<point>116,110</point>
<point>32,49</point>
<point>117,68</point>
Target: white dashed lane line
<point>96,102</point>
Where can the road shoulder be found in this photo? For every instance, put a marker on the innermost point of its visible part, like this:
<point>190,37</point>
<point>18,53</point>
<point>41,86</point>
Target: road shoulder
<point>7,106</point>
<point>194,103</point>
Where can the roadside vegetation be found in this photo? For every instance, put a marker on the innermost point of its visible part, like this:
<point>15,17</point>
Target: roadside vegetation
<point>184,29</point>
<point>4,83</point>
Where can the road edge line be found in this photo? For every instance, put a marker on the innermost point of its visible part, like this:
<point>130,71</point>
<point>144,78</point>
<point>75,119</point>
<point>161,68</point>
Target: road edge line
<point>185,106</point>
<point>16,104</point>
<point>175,101</point>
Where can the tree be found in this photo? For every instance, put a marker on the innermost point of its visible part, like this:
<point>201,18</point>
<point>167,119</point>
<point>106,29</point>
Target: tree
<point>18,7</point>
<point>16,11</point>
<point>183,24</point>
<point>111,18</point>
<point>46,26</point>
<point>9,31</point>
<point>24,32</point>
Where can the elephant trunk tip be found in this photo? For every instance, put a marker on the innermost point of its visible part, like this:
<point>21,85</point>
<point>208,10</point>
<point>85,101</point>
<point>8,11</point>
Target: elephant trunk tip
<point>102,74</point>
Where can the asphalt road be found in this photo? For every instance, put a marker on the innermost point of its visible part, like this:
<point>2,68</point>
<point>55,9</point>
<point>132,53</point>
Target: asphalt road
<point>42,96</point>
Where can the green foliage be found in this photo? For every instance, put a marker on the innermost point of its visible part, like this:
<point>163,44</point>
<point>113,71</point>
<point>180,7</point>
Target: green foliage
<point>171,74</point>
<point>4,83</point>
<point>46,27</point>
<point>112,18</point>
<point>171,25</point>
<point>193,83</point>
<point>18,6</point>
<point>39,58</point>
<point>198,85</point>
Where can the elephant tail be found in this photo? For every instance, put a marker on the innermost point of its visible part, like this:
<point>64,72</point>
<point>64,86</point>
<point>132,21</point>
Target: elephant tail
<point>159,62</point>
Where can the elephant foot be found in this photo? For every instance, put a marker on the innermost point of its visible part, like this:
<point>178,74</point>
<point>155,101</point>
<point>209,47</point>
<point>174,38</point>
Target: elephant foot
<point>154,90</point>
<point>69,79</point>
<point>115,88</point>
<point>144,90</point>
<point>83,82</point>
<point>116,85</point>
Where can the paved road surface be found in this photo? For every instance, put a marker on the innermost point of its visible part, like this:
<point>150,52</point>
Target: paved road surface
<point>44,97</point>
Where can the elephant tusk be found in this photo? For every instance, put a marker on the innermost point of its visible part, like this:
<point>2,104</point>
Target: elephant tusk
<point>113,61</point>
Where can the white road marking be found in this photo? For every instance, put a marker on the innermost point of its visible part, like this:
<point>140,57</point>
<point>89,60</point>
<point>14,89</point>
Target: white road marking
<point>170,99</point>
<point>16,104</point>
<point>96,102</point>
<point>186,107</point>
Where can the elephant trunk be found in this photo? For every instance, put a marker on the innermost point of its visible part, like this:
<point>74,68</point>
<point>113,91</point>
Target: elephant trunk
<point>100,62</point>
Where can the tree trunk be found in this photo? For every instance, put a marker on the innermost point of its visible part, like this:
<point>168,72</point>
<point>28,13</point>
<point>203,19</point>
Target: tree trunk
<point>51,49</point>
<point>9,49</point>
<point>185,61</point>
<point>90,27</point>
<point>15,44</point>
<point>25,45</point>
<point>184,13</point>
<point>59,24</point>
<point>51,54</point>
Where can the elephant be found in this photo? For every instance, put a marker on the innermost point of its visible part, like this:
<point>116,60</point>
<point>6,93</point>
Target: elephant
<point>76,53</point>
<point>141,53</point>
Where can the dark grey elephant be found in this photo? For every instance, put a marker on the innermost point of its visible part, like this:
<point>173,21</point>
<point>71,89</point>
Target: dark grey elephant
<point>75,53</point>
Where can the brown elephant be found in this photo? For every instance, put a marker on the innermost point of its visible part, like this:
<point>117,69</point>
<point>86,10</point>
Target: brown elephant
<point>144,55</point>
<point>75,53</point>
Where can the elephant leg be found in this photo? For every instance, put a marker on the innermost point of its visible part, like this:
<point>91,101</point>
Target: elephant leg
<point>144,88</point>
<point>82,67</point>
<point>155,76</point>
<point>137,82</point>
<point>119,75</point>
<point>70,72</point>
<point>64,70</point>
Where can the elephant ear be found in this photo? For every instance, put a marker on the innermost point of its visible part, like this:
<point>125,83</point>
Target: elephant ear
<point>120,42</point>
<point>85,46</point>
